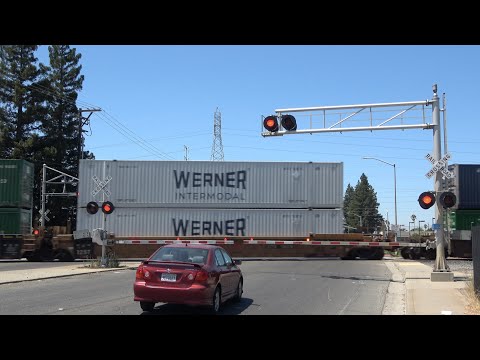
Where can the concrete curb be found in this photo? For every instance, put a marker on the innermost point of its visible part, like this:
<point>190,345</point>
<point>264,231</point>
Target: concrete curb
<point>395,299</point>
<point>92,271</point>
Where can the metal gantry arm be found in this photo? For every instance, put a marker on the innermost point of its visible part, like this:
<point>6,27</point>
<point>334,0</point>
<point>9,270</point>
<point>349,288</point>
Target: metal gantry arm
<point>72,181</point>
<point>411,105</point>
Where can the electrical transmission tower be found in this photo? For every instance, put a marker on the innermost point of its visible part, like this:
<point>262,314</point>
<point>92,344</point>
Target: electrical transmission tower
<point>217,148</point>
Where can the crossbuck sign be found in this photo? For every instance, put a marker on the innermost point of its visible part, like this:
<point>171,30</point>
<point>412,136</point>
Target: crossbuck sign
<point>439,166</point>
<point>44,215</point>
<point>101,185</point>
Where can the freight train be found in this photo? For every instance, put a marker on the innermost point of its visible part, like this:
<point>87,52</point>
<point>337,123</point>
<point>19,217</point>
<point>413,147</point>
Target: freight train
<point>253,208</point>
<point>466,213</point>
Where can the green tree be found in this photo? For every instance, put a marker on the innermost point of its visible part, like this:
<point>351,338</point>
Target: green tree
<point>60,127</point>
<point>347,207</point>
<point>362,201</point>
<point>22,108</point>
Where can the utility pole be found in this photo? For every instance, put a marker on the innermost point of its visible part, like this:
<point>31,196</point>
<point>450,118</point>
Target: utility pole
<point>81,122</point>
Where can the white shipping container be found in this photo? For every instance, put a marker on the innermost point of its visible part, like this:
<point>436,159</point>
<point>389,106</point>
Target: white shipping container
<point>213,184</point>
<point>214,222</point>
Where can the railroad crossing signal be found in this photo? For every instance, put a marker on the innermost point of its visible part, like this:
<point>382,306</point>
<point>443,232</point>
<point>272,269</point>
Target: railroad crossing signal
<point>107,207</point>
<point>288,122</point>
<point>92,207</point>
<point>426,200</point>
<point>271,123</point>
<point>448,199</point>
<point>101,185</point>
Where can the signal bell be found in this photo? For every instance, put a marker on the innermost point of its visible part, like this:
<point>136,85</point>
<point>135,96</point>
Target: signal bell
<point>426,200</point>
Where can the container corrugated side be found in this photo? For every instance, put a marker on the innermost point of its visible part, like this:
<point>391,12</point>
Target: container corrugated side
<point>214,184</point>
<point>214,222</point>
<point>15,221</point>
<point>464,219</point>
<point>466,185</point>
<point>16,183</point>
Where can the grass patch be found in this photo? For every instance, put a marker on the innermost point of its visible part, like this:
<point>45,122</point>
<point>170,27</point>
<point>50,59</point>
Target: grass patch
<point>111,262</point>
<point>473,299</point>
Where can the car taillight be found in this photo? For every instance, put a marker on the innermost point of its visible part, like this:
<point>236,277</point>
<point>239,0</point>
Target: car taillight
<point>139,273</point>
<point>202,275</point>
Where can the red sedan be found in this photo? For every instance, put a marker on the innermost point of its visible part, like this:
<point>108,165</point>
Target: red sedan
<point>190,274</point>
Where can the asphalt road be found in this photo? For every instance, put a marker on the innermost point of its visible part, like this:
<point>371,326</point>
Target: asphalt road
<point>270,288</point>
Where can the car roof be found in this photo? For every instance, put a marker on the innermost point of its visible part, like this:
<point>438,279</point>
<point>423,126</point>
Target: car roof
<point>195,246</point>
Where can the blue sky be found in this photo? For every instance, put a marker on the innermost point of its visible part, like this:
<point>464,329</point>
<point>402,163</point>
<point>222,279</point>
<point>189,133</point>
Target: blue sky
<point>167,95</point>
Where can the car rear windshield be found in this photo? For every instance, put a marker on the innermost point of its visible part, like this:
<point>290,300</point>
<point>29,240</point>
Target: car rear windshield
<point>198,256</point>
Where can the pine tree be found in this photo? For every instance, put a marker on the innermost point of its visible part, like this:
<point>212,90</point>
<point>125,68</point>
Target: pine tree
<point>22,106</point>
<point>347,206</point>
<point>362,201</point>
<point>60,128</point>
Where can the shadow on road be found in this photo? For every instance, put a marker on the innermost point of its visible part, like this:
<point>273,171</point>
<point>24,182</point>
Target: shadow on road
<point>328,276</point>
<point>228,308</point>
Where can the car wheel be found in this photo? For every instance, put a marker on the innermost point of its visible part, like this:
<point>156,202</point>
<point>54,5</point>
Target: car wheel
<point>217,296</point>
<point>147,306</point>
<point>238,295</point>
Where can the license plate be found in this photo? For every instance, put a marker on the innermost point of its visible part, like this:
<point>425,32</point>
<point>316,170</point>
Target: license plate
<point>169,277</point>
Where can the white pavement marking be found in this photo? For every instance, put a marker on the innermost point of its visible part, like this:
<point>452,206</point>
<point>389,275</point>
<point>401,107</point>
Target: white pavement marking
<point>446,312</point>
<point>328,295</point>
<point>345,307</point>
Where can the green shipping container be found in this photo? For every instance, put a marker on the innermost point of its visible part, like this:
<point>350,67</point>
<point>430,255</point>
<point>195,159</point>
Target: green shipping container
<point>15,221</point>
<point>16,183</point>
<point>464,219</point>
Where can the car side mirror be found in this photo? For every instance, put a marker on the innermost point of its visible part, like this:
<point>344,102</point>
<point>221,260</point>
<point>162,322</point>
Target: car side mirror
<point>237,262</point>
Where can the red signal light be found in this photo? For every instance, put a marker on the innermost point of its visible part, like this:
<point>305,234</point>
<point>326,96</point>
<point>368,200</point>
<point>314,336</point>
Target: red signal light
<point>271,123</point>
<point>36,232</point>
<point>426,200</point>
<point>107,207</point>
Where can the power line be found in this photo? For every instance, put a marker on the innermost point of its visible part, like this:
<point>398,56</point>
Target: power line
<point>108,118</point>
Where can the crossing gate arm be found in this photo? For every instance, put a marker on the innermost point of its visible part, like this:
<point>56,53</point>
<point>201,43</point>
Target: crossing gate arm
<point>335,243</point>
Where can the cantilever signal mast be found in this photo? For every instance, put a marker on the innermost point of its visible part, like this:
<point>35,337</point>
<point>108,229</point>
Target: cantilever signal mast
<point>217,147</point>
